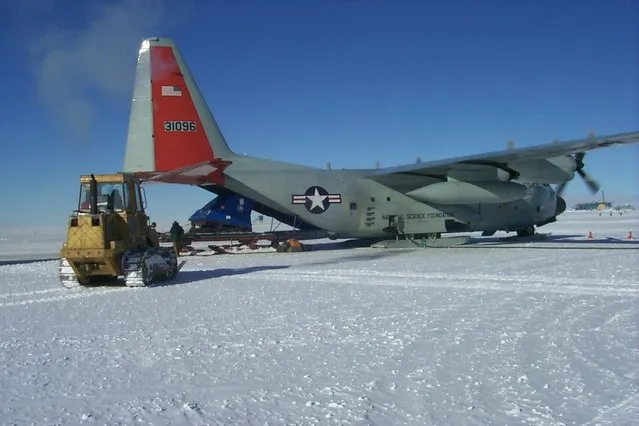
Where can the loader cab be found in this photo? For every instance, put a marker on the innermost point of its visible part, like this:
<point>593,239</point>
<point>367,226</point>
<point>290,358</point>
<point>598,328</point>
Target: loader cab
<point>115,193</point>
<point>111,197</point>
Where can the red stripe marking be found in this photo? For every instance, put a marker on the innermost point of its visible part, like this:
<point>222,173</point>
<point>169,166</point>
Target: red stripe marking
<point>177,149</point>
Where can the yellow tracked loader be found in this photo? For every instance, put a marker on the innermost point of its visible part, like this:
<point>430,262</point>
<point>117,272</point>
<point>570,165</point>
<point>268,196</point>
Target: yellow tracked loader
<point>109,236</point>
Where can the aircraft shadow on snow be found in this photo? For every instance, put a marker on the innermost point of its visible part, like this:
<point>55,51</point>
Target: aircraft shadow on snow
<point>382,253</point>
<point>189,277</point>
<point>345,245</point>
<point>557,239</point>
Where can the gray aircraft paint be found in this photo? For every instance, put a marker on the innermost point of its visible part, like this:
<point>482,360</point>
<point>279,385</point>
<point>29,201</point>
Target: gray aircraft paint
<point>370,196</point>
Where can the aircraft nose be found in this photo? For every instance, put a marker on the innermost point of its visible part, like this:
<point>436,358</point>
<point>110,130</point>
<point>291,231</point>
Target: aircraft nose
<point>560,206</point>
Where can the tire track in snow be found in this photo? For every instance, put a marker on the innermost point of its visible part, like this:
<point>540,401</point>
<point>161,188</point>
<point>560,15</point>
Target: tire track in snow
<point>31,293</point>
<point>625,412</point>
<point>514,283</point>
<point>70,294</point>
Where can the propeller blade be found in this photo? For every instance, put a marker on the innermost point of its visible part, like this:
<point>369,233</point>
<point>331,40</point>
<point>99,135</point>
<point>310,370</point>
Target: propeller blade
<point>561,188</point>
<point>592,184</point>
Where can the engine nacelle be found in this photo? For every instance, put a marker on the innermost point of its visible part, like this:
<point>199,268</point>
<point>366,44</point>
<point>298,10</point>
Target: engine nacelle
<point>550,170</point>
<point>456,192</point>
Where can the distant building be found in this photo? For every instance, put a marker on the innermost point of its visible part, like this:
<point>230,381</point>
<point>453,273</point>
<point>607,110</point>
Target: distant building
<point>625,207</point>
<point>594,205</point>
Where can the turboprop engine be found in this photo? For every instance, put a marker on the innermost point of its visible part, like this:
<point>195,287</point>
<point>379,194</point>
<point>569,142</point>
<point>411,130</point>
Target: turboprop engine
<point>458,192</point>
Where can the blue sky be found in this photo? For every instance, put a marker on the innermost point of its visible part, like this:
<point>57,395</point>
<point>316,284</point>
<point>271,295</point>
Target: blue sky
<point>349,81</point>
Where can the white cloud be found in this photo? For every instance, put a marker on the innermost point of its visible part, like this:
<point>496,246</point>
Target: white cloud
<point>76,68</point>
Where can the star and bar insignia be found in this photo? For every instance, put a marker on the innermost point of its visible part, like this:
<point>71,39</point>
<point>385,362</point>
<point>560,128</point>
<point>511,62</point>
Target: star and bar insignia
<point>316,199</point>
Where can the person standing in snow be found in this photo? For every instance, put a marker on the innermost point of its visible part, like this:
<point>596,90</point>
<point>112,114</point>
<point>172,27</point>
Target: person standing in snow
<point>177,232</point>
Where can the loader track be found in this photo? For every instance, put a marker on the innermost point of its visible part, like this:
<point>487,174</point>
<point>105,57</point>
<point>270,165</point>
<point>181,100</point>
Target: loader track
<point>139,268</point>
<point>142,267</point>
<point>68,278</point>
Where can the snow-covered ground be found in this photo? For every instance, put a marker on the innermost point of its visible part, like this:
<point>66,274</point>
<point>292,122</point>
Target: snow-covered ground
<point>338,336</point>
<point>30,243</point>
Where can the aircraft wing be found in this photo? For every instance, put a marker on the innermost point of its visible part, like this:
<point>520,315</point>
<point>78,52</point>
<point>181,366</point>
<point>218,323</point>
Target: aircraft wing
<point>550,163</point>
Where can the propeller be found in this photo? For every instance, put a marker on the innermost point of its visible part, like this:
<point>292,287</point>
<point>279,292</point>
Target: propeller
<point>590,182</point>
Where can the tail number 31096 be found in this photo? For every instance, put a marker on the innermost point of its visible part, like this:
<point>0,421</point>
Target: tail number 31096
<point>180,126</point>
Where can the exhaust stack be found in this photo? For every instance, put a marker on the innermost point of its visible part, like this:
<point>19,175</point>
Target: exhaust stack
<point>93,194</point>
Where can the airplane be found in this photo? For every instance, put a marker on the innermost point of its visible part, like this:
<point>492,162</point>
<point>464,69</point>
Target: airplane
<point>174,138</point>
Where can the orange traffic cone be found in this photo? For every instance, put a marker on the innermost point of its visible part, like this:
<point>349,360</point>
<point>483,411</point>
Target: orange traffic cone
<point>590,236</point>
<point>630,235</point>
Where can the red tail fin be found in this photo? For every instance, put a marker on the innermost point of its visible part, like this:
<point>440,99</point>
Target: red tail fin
<point>180,139</point>
<point>170,128</point>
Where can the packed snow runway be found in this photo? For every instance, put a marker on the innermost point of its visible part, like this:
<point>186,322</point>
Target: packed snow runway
<point>342,336</point>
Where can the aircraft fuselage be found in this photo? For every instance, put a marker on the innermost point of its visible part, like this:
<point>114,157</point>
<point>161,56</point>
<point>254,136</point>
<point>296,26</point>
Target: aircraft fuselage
<point>350,205</point>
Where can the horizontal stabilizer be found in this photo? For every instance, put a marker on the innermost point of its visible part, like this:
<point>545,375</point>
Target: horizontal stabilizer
<point>209,171</point>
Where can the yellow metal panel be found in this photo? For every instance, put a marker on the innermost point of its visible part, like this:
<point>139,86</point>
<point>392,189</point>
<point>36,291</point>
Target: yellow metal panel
<point>85,235</point>
<point>112,177</point>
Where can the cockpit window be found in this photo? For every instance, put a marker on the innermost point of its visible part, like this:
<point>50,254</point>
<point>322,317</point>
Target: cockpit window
<point>111,197</point>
